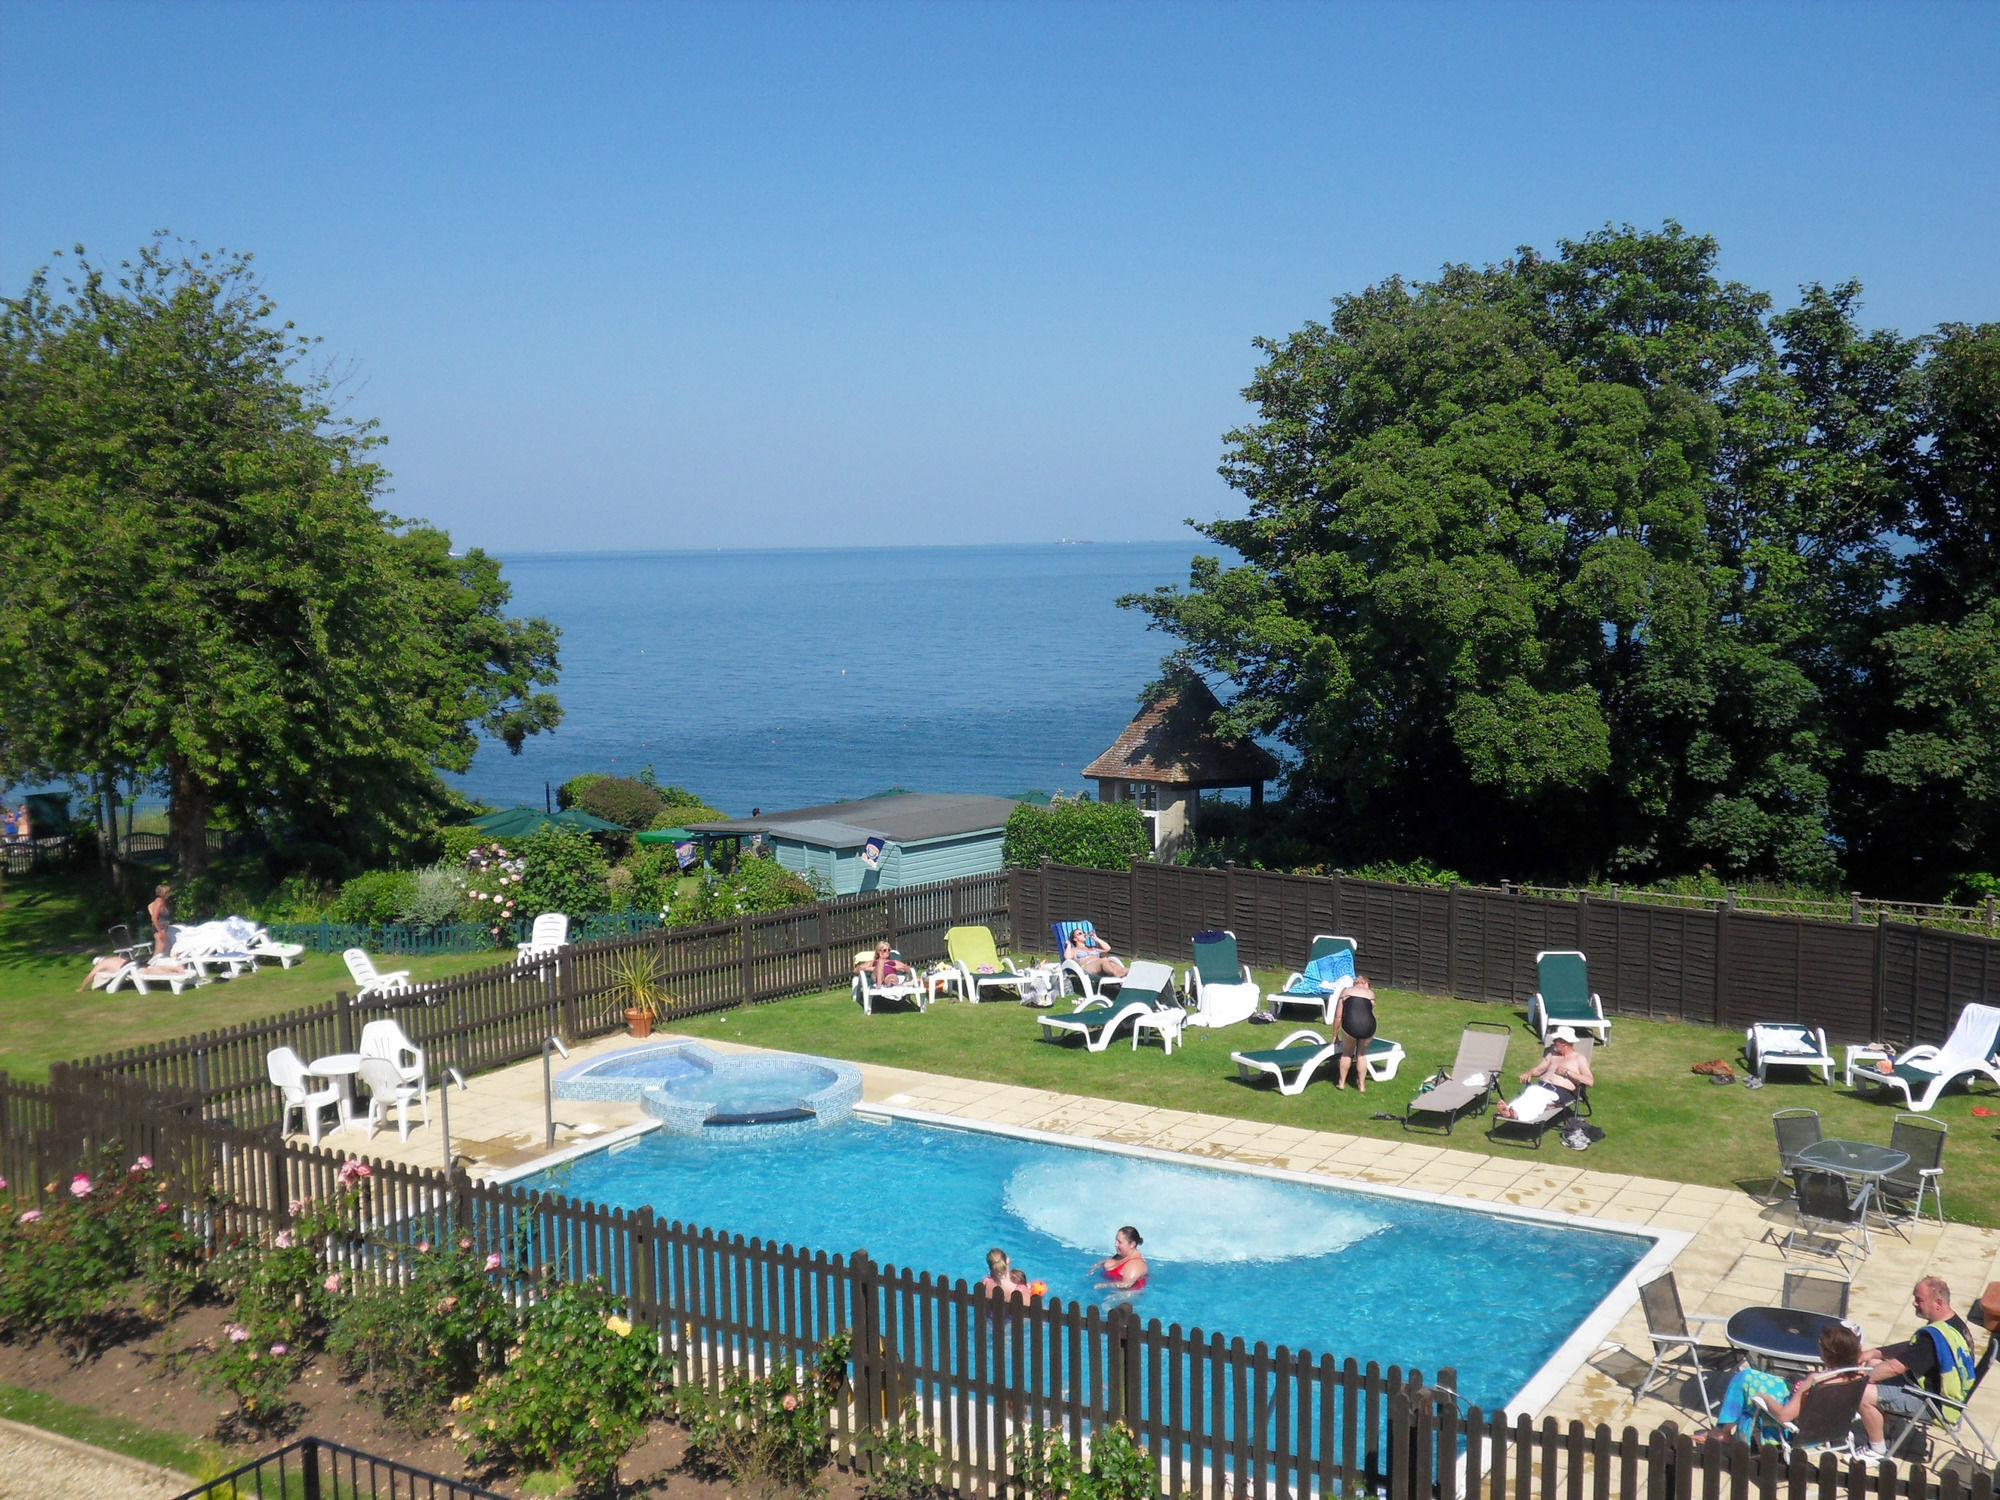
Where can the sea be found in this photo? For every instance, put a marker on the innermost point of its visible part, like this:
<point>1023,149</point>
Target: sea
<point>791,677</point>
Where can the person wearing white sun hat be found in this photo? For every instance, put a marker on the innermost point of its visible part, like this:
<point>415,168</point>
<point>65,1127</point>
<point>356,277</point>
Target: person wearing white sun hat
<point>1553,1083</point>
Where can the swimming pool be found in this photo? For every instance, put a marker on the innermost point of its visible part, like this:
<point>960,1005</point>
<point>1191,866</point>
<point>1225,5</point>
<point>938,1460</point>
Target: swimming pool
<point>1260,1256</point>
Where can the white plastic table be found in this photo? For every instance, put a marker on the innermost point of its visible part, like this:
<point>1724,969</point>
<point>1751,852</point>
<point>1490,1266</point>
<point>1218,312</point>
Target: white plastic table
<point>943,979</point>
<point>1166,1022</point>
<point>340,1068</point>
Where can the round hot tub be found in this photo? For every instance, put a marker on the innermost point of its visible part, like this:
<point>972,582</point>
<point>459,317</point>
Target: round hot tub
<point>689,1087</point>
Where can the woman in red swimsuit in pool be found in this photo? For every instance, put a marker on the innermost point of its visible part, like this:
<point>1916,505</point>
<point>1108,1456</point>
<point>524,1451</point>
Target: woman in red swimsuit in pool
<point>1126,1270</point>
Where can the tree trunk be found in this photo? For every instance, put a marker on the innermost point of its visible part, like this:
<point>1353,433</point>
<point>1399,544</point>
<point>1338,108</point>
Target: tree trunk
<point>187,818</point>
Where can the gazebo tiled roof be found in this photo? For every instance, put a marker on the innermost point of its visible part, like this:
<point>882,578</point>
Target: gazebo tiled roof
<point>1172,744</point>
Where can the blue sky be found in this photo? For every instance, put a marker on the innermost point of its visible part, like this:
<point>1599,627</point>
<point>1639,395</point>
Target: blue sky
<point>689,276</point>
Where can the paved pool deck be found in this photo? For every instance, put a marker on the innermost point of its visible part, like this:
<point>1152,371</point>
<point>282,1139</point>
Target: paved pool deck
<point>1730,1261</point>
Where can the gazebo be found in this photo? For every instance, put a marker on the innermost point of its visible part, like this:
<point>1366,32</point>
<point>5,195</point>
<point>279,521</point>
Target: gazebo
<point>1170,755</point>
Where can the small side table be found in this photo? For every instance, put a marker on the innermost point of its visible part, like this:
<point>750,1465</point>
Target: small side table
<point>1862,1057</point>
<point>340,1067</point>
<point>1166,1022</point>
<point>947,979</point>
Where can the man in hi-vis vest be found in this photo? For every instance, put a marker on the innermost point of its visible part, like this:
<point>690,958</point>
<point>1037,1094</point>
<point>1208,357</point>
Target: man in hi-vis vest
<point>1937,1359</point>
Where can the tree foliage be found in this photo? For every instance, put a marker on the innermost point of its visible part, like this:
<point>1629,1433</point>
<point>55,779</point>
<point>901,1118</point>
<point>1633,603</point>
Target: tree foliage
<point>197,585</point>
<point>1590,562</point>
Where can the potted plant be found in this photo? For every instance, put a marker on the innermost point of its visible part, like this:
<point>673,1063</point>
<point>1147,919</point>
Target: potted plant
<point>635,979</point>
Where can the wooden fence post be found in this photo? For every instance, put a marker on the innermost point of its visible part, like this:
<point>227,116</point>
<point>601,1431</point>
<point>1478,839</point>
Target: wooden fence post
<point>1721,967</point>
<point>868,1353</point>
<point>746,972</point>
<point>458,1196</point>
<point>1881,996</point>
<point>559,991</point>
<point>344,1020</point>
<point>641,1277</point>
<point>1451,938</point>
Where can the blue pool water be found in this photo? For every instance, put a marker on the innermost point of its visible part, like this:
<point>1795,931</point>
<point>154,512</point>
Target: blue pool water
<point>1310,1267</point>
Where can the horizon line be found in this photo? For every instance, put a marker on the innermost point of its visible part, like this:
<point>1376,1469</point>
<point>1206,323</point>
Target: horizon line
<point>583,552</point>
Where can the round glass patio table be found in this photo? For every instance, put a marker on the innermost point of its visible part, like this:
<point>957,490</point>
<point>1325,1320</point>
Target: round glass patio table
<point>1854,1158</point>
<point>1786,1335</point>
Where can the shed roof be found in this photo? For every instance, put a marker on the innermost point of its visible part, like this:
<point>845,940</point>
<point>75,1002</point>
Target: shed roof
<point>910,818</point>
<point>1171,742</point>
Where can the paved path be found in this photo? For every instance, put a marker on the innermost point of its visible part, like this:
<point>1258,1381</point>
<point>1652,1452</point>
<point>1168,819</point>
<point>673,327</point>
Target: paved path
<point>37,1465</point>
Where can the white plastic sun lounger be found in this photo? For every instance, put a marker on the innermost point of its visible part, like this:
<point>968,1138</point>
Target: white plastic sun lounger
<point>1923,1073</point>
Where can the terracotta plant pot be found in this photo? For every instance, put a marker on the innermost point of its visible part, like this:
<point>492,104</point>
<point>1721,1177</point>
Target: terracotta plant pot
<point>639,1022</point>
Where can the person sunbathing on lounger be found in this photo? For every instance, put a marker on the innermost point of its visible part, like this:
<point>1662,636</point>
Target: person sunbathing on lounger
<point>1087,950</point>
<point>885,968</point>
<point>1553,1083</point>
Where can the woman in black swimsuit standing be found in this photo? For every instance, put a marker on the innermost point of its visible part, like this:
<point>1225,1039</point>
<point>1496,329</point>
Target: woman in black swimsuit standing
<point>1356,1031</point>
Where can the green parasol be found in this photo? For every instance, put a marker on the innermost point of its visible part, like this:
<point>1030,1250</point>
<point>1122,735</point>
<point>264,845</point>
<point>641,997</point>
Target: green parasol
<point>519,822</point>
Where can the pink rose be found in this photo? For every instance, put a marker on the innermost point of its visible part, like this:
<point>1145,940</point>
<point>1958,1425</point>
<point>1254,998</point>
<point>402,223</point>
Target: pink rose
<point>282,1240</point>
<point>493,1261</point>
<point>32,1216</point>
<point>237,1333</point>
<point>160,1208</point>
<point>790,1403</point>
<point>332,1282</point>
<point>423,1247</point>
<point>464,1242</point>
<point>143,1164</point>
<point>277,1348</point>
<point>3,1184</point>
<point>80,1186</point>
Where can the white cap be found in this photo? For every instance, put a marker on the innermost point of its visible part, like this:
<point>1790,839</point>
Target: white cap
<point>1563,1034</point>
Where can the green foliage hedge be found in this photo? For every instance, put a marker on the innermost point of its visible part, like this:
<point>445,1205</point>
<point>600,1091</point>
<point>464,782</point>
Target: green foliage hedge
<point>1105,835</point>
<point>565,871</point>
<point>617,799</point>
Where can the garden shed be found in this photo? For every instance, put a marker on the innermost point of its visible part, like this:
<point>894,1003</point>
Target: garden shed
<point>881,843</point>
<point>1170,754</point>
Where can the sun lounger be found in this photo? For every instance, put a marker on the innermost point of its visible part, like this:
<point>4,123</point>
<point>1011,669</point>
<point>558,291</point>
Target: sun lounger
<point>1302,1054</point>
<point>1328,974</point>
<point>1088,984</point>
<point>1219,985</point>
<point>368,979</point>
<point>974,954</point>
<point>1474,1074</point>
<point>1565,997</point>
<point>172,973</point>
<point>1146,988</point>
<point>867,991</point>
<point>1786,1044</point>
<point>1923,1073</point>
<point>1534,1127</point>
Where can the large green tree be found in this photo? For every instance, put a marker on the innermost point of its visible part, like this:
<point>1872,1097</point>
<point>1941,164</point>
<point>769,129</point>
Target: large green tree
<point>1564,565</point>
<point>1930,791</point>
<point>198,585</point>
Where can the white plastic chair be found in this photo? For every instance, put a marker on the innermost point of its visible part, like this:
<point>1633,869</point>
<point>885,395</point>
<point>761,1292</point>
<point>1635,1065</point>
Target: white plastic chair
<point>386,1087</point>
<point>288,1072</point>
<point>546,938</point>
<point>371,980</point>
<point>387,1040</point>
<point>867,991</point>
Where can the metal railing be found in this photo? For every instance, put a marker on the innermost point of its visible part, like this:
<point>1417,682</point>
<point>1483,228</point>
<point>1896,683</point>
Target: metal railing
<point>316,1468</point>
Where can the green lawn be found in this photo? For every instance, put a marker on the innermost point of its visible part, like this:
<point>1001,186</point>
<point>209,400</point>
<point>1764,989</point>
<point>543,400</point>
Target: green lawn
<point>1660,1120</point>
<point>200,1460</point>
<point>47,934</point>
